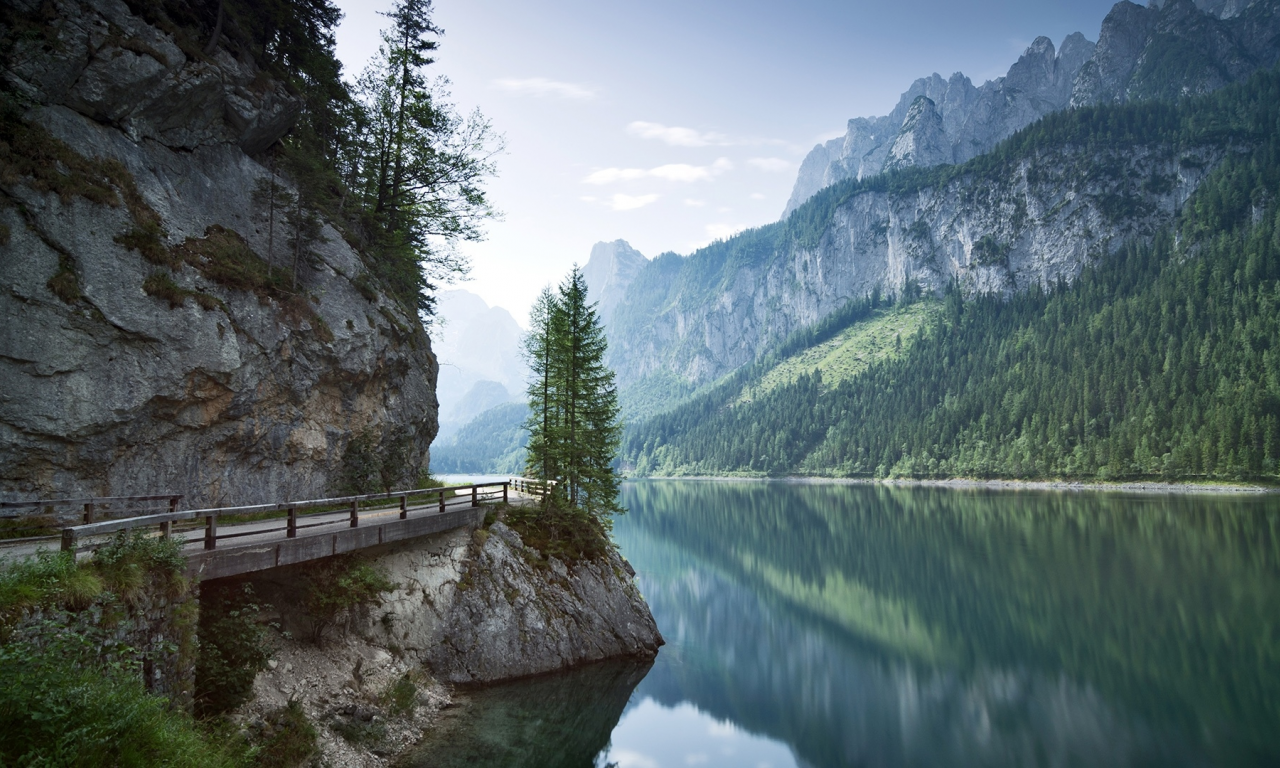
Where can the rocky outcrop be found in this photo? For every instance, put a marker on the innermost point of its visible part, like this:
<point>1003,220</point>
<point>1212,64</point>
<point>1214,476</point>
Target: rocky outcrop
<point>130,362</point>
<point>515,614</point>
<point>922,141</point>
<point>476,605</point>
<point>608,272</point>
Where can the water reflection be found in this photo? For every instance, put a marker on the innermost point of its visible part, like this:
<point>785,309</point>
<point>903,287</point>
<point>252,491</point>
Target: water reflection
<point>828,625</point>
<point>880,626</point>
<point>551,721</point>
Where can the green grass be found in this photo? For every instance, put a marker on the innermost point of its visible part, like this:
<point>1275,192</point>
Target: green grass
<point>884,336</point>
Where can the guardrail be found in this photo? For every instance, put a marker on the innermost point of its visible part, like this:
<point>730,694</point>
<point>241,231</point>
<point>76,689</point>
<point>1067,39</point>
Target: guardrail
<point>537,488</point>
<point>431,499</point>
<point>47,516</point>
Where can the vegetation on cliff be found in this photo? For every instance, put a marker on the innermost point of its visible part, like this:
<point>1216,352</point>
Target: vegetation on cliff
<point>1159,362</point>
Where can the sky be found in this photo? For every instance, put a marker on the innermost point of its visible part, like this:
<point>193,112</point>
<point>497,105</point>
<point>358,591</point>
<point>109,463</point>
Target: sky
<point>670,124</point>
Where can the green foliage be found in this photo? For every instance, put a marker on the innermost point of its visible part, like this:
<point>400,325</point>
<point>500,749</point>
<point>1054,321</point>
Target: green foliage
<point>573,403</point>
<point>289,739</point>
<point>1157,363</point>
<point>491,443</point>
<point>339,584</point>
<point>62,705</point>
<point>65,283</point>
<point>566,533</point>
<point>133,560</point>
<point>375,462</point>
<point>233,648</point>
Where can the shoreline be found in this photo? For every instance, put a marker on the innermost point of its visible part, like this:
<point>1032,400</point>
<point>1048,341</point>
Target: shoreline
<point>1188,488</point>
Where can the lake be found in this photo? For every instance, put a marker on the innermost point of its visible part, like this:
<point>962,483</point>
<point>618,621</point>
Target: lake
<point>820,624</point>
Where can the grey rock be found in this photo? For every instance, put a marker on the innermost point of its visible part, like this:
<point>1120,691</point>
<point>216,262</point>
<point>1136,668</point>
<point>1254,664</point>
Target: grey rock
<point>119,394</point>
<point>520,618</point>
<point>973,119</point>
<point>922,141</point>
<point>609,270</point>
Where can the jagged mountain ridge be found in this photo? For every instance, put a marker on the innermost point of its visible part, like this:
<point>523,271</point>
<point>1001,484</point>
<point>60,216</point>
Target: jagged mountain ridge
<point>1163,50</point>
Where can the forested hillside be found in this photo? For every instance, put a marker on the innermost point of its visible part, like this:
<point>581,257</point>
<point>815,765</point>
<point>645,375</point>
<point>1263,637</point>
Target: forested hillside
<point>1162,360</point>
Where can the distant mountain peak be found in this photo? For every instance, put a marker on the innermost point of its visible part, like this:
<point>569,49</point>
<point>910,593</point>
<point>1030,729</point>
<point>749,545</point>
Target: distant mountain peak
<point>608,272</point>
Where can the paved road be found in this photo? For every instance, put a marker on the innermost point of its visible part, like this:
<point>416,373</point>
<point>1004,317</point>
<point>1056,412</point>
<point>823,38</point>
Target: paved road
<point>257,532</point>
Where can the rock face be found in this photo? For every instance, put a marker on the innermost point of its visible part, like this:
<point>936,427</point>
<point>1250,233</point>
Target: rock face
<point>1173,48</point>
<point>1039,221</point>
<point>477,606</point>
<point>972,119</point>
<point>608,272</point>
<point>224,394</point>
<point>517,616</point>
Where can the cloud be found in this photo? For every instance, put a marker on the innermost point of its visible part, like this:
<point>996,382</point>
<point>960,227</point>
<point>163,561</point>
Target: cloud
<point>625,758</point>
<point>623,202</point>
<point>676,136</point>
<point>697,758</point>
<point>771,164</point>
<point>757,196</point>
<point>681,172</point>
<point>542,87</point>
<point>722,232</point>
<point>689,201</point>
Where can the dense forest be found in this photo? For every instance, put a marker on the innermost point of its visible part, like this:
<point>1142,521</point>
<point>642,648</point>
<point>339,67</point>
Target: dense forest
<point>1161,361</point>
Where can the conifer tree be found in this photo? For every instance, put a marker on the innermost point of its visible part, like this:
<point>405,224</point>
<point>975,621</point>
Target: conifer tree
<point>573,426</point>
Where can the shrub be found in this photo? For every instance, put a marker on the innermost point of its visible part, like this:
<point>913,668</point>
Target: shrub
<point>62,705</point>
<point>288,740</point>
<point>233,648</point>
<point>338,584</point>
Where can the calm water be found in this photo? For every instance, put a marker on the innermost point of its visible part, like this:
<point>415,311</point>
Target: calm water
<point>827,625</point>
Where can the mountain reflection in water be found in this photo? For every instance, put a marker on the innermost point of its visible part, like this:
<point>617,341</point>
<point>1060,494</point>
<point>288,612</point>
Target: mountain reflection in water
<point>834,625</point>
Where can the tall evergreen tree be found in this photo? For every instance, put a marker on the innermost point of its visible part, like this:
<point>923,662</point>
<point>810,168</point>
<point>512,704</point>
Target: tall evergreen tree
<point>573,425</point>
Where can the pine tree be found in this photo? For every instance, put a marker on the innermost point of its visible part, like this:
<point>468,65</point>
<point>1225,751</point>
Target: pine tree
<point>573,425</point>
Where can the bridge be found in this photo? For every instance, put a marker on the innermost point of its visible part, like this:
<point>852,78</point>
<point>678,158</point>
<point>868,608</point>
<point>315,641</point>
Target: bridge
<point>229,541</point>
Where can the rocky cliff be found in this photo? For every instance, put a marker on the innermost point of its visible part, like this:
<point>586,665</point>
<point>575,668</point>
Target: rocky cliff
<point>151,339</point>
<point>609,270</point>
<point>1036,221</point>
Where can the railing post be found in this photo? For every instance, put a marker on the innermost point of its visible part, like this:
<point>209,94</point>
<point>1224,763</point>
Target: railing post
<point>173,503</point>
<point>68,540</point>
<point>504,492</point>
<point>404,506</point>
<point>210,531</point>
<point>292,531</point>
<point>166,529</point>
<point>474,501</point>
<point>355,513</point>
<point>442,502</point>
<point>88,512</point>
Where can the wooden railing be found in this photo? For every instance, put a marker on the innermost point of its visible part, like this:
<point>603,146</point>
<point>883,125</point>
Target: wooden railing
<point>43,514</point>
<point>536,488</point>
<point>291,513</point>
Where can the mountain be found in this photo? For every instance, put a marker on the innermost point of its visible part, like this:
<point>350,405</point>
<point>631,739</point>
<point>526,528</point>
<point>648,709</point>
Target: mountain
<point>962,120</point>
<point>478,347</point>
<point>492,443</point>
<point>1164,50</point>
<point>819,344</point>
<point>1161,361</point>
<point>1046,202</point>
<point>609,270</point>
